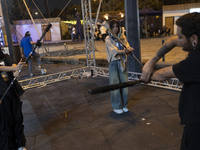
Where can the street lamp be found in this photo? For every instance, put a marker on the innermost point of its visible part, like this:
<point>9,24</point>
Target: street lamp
<point>36,15</point>
<point>122,15</point>
<point>106,17</point>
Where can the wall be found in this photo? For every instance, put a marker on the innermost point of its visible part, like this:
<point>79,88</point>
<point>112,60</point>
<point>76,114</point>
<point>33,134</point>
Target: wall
<point>176,11</point>
<point>22,29</point>
<point>175,14</point>
<point>26,25</point>
<point>55,31</point>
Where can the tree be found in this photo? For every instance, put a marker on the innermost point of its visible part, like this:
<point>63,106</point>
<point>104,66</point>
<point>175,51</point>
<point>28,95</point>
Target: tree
<point>70,12</point>
<point>112,5</point>
<point>17,10</point>
<point>153,4</point>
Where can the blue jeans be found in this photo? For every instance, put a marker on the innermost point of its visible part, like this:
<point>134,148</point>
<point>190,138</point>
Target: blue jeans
<point>119,97</point>
<point>37,56</point>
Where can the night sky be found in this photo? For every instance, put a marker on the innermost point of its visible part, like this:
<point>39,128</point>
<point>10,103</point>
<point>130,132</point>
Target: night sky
<point>60,3</point>
<point>51,3</point>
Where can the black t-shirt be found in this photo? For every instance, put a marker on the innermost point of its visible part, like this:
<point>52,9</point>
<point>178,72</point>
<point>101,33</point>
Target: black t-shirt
<point>188,72</point>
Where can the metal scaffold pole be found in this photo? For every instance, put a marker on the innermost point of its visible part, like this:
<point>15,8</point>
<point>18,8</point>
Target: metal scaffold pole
<point>133,34</point>
<point>88,32</point>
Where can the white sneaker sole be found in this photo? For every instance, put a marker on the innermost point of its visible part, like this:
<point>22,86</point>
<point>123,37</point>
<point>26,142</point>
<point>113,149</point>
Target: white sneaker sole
<point>118,111</point>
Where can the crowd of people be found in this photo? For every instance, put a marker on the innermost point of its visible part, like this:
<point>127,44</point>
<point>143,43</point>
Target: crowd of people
<point>151,31</point>
<point>117,48</point>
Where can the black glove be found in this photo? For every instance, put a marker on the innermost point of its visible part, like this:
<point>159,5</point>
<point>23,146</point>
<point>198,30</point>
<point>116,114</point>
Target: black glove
<point>38,43</point>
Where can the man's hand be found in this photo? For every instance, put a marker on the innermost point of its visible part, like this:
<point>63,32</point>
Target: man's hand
<point>131,49</point>
<point>147,71</point>
<point>23,57</point>
<point>19,66</point>
<point>38,43</point>
<point>16,73</point>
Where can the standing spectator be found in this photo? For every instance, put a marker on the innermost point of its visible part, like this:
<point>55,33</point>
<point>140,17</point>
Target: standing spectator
<point>26,48</point>
<point>11,118</point>
<point>116,56</point>
<point>73,33</point>
<point>79,28</point>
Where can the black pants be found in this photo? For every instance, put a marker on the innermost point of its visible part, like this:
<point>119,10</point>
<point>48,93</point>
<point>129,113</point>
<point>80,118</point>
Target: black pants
<point>11,124</point>
<point>191,138</point>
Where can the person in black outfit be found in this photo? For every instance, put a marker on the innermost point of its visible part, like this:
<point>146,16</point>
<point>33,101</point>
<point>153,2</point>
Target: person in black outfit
<point>188,72</point>
<point>11,119</point>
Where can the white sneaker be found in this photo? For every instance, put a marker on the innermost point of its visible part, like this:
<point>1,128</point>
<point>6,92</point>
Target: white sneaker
<point>39,67</point>
<point>118,111</point>
<point>125,109</point>
<point>31,75</point>
<point>21,148</point>
<point>43,71</point>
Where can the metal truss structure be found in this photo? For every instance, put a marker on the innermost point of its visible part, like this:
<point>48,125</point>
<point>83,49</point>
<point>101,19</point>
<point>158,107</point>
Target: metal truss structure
<point>88,32</point>
<point>91,68</point>
<point>172,84</point>
<point>42,81</point>
<point>89,28</point>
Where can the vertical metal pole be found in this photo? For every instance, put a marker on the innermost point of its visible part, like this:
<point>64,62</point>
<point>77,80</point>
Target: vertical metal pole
<point>98,10</point>
<point>85,28</point>
<point>88,32</point>
<point>7,27</point>
<point>91,36</point>
<point>163,58</point>
<point>31,18</point>
<point>133,34</point>
<point>47,7</point>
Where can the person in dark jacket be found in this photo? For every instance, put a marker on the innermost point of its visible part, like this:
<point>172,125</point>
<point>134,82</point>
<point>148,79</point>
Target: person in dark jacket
<point>11,118</point>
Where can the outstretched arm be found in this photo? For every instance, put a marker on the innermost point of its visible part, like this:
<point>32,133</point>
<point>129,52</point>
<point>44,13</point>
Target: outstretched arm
<point>14,67</point>
<point>163,74</point>
<point>149,66</point>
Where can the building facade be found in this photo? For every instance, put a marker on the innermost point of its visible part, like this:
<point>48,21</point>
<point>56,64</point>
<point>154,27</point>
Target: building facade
<point>22,26</point>
<point>172,12</point>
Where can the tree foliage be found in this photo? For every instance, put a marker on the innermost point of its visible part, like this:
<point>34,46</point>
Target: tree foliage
<point>17,10</point>
<point>153,4</point>
<point>70,12</point>
<point>112,5</point>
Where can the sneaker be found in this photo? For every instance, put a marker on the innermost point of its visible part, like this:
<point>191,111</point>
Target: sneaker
<point>43,71</point>
<point>118,111</point>
<point>21,148</point>
<point>39,67</point>
<point>125,109</point>
<point>31,75</point>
